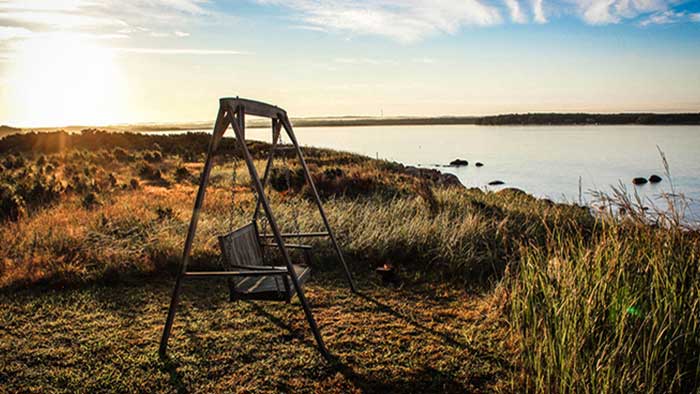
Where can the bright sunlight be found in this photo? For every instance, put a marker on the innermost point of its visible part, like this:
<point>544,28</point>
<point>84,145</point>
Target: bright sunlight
<point>60,79</point>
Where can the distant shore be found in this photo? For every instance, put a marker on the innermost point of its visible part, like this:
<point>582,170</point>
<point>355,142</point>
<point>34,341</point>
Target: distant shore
<point>533,119</point>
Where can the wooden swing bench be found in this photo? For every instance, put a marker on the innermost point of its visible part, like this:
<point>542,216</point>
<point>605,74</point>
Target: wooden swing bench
<point>243,250</point>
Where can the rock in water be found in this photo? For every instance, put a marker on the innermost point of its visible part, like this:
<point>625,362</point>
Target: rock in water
<point>479,164</point>
<point>655,179</point>
<point>639,180</point>
<point>459,163</point>
<point>496,183</point>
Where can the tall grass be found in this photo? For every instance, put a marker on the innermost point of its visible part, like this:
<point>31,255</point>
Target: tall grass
<point>615,312</point>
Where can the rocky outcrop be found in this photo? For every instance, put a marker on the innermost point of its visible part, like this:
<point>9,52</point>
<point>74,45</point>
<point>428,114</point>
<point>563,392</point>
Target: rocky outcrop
<point>435,176</point>
<point>459,163</point>
<point>496,183</point>
<point>479,164</point>
<point>639,180</point>
<point>513,191</point>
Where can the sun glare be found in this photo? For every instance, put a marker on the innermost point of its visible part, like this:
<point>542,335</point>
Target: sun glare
<point>61,80</point>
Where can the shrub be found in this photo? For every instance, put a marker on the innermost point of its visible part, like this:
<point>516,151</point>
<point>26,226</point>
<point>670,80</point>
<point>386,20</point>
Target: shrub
<point>43,191</point>
<point>14,161</point>
<point>181,173</point>
<point>81,184</point>
<point>12,205</point>
<point>164,212</point>
<point>147,171</point>
<point>283,179</point>
<point>90,200</point>
<point>153,156</point>
<point>122,155</point>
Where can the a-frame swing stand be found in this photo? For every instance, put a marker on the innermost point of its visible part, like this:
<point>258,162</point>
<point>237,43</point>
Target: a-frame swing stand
<point>232,112</point>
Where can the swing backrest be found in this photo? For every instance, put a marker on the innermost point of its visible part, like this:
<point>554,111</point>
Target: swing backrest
<point>241,247</point>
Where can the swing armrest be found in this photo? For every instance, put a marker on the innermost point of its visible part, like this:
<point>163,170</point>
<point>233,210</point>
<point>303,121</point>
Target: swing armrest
<point>259,267</point>
<point>289,246</point>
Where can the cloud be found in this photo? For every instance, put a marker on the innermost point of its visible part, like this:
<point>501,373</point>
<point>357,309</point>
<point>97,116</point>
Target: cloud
<point>424,60</point>
<point>181,34</point>
<point>538,11</point>
<point>105,16</point>
<point>407,21</point>
<point>600,12</point>
<point>363,60</point>
<point>665,18</point>
<point>516,14</point>
<point>180,51</point>
<point>8,33</point>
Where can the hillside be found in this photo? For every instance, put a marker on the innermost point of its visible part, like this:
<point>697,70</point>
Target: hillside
<point>495,292</point>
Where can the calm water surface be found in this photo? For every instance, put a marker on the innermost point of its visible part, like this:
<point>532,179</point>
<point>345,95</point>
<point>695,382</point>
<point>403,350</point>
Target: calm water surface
<point>546,161</point>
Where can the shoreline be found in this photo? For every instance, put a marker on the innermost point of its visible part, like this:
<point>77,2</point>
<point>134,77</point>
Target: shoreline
<point>529,119</point>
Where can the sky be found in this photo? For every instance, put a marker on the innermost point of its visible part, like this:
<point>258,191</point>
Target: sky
<point>90,62</point>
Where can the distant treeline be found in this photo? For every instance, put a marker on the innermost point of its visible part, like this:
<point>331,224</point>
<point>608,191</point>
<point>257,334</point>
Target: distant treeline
<point>507,119</point>
<point>496,120</point>
<point>188,145</point>
<point>93,139</point>
<point>583,118</point>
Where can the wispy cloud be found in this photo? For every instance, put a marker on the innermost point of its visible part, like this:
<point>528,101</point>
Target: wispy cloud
<point>363,60</point>
<point>8,33</point>
<point>538,11</point>
<point>516,13</point>
<point>424,60</point>
<point>99,17</point>
<point>598,12</point>
<point>180,51</point>
<point>414,20</point>
<point>406,21</point>
<point>663,18</point>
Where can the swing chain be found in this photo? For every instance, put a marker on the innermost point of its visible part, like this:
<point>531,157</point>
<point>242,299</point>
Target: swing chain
<point>235,208</point>
<point>288,180</point>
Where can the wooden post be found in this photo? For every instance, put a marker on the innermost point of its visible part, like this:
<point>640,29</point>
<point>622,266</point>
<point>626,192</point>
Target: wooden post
<point>288,128</point>
<point>219,129</point>
<point>276,232</point>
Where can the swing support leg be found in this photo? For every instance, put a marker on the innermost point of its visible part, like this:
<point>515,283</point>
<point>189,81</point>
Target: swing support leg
<point>219,128</point>
<point>288,128</point>
<point>238,129</point>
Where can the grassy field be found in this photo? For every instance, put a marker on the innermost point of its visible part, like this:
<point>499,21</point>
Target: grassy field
<point>499,292</point>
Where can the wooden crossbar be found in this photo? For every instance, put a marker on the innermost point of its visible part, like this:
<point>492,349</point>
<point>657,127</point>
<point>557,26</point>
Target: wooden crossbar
<point>207,274</point>
<point>297,235</point>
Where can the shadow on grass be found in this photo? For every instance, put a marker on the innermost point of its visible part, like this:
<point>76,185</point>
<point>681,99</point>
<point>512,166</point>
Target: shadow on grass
<point>427,379</point>
<point>444,337</point>
<point>169,366</point>
<point>424,379</point>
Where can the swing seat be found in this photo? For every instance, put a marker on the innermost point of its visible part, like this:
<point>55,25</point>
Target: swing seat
<point>242,249</point>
